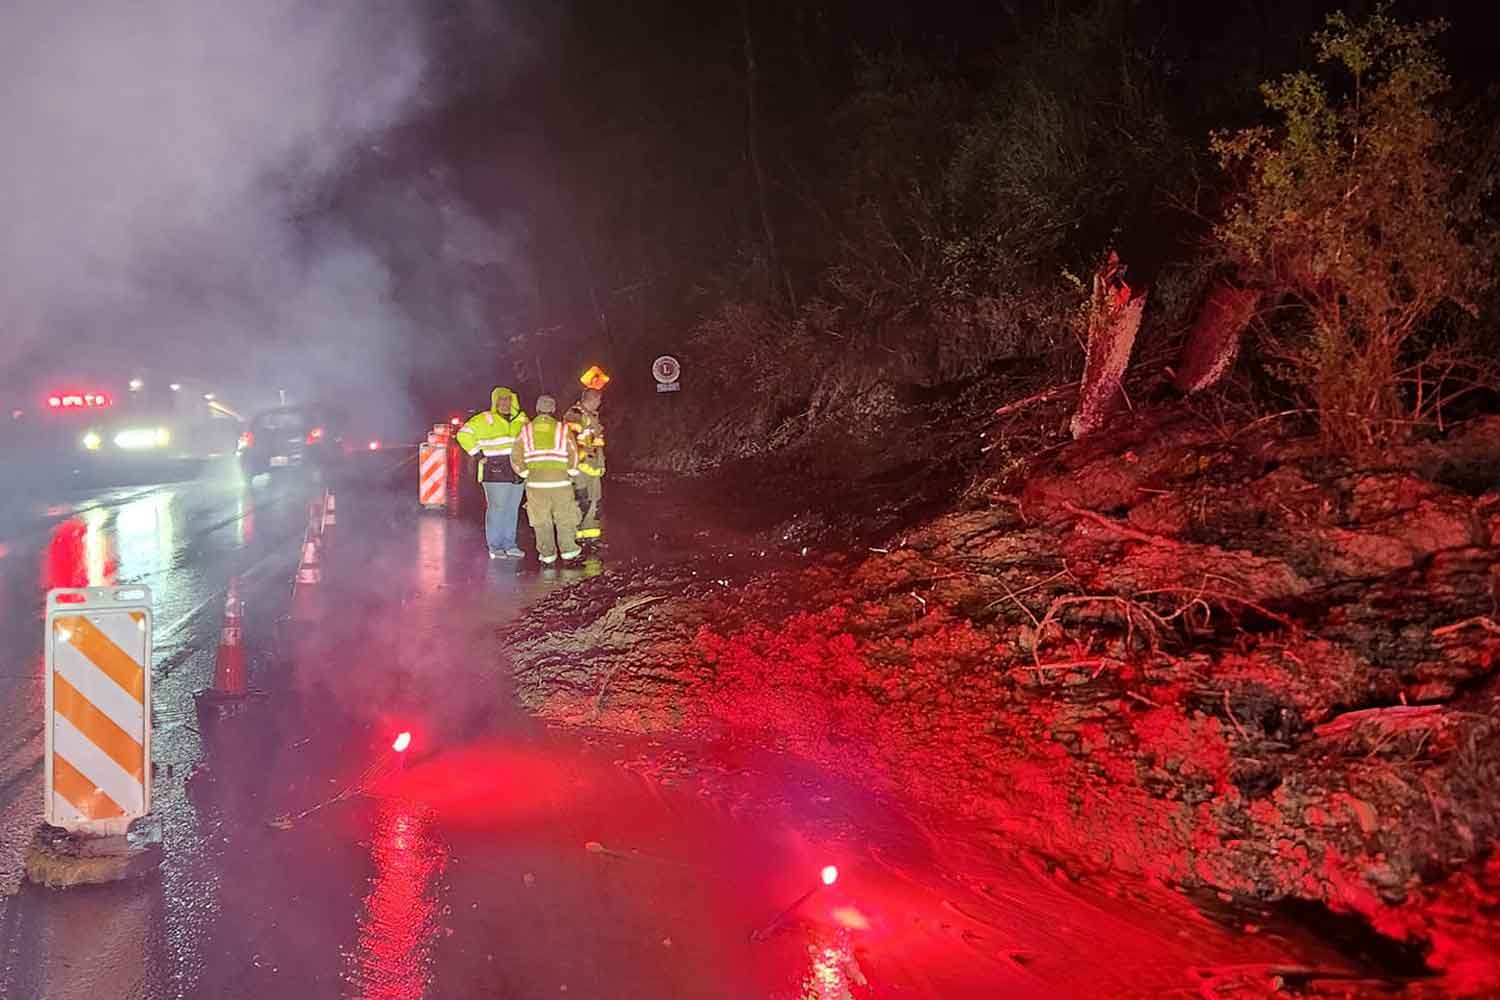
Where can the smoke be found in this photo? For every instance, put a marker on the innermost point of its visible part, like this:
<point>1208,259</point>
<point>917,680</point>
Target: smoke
<point>168,170</point>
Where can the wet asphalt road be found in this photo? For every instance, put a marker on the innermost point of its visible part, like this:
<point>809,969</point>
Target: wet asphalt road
<point>496,858</point>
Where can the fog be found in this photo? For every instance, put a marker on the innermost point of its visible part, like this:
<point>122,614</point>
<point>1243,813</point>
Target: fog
<point>165,186</point>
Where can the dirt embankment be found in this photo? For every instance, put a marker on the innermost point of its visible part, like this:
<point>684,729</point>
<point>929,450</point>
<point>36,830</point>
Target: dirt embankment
<point>1218,660</point>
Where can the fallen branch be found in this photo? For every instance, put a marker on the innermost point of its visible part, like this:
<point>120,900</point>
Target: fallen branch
<point>1390,719</point>
<point>1045,396</point>
<point>1488,624</point>
<point>1236,722</point>
<point>1153,622</point>
<point>1123,531</point>
<point>1218,595</point>
<point>1015,595</point>
<point>1092,661</point>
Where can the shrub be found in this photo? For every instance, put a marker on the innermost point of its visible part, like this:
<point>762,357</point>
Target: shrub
<point>1348,210</point>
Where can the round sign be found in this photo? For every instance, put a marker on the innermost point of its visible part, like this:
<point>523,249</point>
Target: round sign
<point>666,369</point>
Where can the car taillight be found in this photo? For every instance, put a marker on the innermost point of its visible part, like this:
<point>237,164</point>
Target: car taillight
<point>315,435</point>
<point>247,440</point>
<point>72,400</point>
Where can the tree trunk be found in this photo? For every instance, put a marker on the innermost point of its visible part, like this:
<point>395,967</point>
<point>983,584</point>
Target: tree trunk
<point>1114,319</point>
<point>774,269</point>
<point>1214,341</point>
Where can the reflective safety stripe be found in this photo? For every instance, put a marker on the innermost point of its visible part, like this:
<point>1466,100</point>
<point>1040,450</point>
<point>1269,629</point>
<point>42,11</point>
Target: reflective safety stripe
<point>535,456</point>
<point>494,442</point>
<point>549,486</point>
<point>589,532</point>
<point>589,470</point>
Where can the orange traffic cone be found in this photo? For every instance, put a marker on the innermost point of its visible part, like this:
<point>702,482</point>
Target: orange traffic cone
<point>229,665</point>
<point>229,662</point>
<point>305,605</point>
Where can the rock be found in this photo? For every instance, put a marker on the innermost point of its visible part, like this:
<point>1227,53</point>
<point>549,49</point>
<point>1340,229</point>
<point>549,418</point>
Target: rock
<point>1487,509</point>
<point>1395,521</point>
<point>1090,474</point>
<point>1177,570</point>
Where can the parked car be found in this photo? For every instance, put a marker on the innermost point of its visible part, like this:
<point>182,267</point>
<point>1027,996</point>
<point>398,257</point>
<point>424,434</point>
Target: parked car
<point>294,437</point>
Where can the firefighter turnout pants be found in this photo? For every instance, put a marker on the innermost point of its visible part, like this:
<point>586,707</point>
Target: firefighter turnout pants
<point>549,510</point>
<point>590,496</point>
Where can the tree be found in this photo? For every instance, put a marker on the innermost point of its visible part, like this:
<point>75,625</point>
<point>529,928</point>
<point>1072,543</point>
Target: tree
<point>1348,209</point>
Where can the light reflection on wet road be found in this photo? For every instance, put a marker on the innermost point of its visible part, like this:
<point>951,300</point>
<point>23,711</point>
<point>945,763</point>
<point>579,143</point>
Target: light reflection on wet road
<point>184,539</point>
<point>499,858</point>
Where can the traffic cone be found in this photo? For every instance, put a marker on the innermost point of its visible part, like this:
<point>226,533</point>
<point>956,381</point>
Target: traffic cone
<point>229,662</point>
<point>305,605</point>
<point>229,665</point>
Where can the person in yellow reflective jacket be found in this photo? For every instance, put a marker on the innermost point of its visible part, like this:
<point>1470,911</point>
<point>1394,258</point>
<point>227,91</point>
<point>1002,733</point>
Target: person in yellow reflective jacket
<point>492,434</point>
<point>583,418</point>
<point>546,457</point>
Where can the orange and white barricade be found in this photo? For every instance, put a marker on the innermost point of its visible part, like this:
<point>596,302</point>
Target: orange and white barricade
<point>98,722</point>
<point>432,465</point>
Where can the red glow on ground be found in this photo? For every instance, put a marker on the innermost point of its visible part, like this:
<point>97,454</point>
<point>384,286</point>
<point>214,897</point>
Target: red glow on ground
<point>77,556</point>
<point>465,784</point>
<point>833,973</point>
<point>403,740</point>
<point>849,918</point>
<point>830,874</point>
<point>402,918</point>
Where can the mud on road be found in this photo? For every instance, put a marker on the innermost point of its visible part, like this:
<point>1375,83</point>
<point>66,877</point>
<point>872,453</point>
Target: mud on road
<point>1216,660</point>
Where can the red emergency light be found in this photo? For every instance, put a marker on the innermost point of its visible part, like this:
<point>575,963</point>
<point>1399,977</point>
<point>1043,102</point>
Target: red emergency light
<point>315,435</point>
<point>403,740</point>
<point>455,421</point>
<point>74,400</point>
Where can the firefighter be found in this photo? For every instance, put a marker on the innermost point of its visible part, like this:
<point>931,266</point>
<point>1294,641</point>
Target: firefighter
<point>583,418</point>
<point>546,457</point>
<point>493,433</point>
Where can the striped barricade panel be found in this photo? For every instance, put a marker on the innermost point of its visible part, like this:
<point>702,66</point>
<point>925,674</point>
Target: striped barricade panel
<point>432,489</point>
<point>98,708</point>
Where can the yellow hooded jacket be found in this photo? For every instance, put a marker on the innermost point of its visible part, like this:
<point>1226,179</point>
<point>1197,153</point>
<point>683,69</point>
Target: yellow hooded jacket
<point>492,434</point>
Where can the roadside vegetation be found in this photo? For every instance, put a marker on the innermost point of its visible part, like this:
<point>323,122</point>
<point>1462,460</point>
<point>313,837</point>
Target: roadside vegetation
<point>1154,415</point>
<point>828,231</point>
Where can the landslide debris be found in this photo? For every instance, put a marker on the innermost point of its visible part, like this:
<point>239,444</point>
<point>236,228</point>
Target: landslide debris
<point>1217,659</point>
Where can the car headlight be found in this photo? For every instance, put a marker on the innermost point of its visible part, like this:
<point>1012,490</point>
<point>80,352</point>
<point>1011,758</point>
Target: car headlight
<point>92,441</point>
<point>143,437</point>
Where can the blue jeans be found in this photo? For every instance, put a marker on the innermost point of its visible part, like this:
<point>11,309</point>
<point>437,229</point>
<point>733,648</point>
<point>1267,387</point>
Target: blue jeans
<point>502,504</point>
